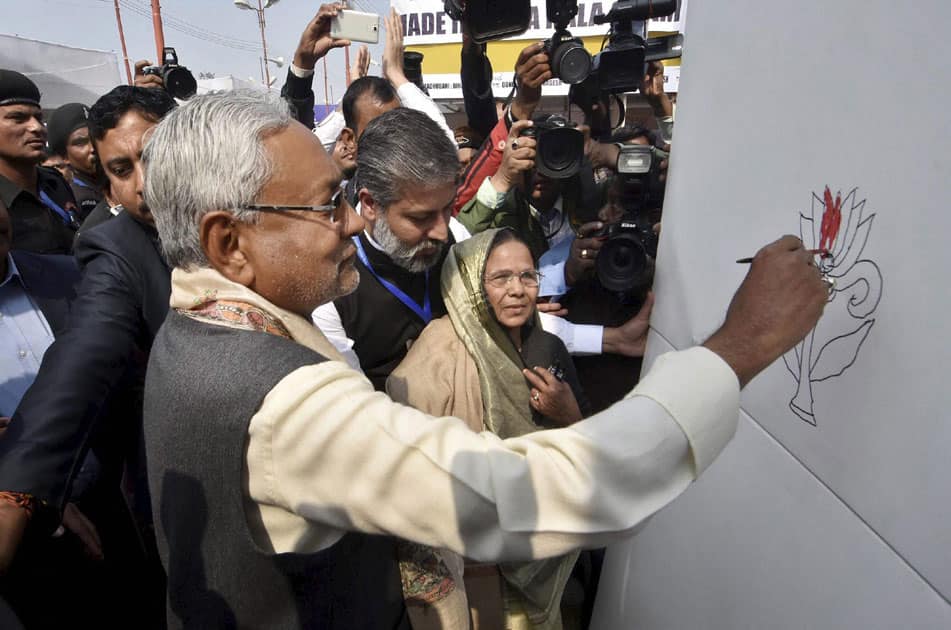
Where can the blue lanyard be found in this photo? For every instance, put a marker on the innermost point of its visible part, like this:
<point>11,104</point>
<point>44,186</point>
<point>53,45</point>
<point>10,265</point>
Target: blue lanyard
<point>425,312</point>
<point>81,183</point>
<point>68,217</point>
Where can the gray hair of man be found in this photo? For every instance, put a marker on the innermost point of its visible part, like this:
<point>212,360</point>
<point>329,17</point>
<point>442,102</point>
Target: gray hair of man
<point>400,149</point>
<point>204,156</point>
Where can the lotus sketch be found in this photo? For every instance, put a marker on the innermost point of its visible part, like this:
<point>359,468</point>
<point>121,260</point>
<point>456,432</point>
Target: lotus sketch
<point>834,344</point>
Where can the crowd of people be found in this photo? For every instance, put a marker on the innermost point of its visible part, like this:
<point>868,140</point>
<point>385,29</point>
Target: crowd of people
<point>262,374</point>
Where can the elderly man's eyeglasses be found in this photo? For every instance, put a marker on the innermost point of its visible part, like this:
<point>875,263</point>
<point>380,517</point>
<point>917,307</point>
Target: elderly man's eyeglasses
<point>335,210</point>
<point>528,279</point>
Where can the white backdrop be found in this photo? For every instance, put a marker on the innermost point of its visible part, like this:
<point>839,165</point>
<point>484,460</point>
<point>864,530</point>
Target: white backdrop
<point>832,509</point>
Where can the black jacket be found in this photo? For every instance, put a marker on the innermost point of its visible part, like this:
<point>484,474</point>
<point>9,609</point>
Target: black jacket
<point>121,302</point>
<point>51,282</point>
<point>299,94</point>
<point>36,226</point>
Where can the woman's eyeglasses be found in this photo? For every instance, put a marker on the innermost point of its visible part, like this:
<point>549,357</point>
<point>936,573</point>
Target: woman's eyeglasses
<point>527,278</point>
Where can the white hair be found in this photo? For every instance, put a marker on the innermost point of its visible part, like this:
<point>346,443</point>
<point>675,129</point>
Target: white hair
<point>204,156</point>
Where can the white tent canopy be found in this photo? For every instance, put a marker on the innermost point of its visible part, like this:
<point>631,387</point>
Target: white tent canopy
<point>227,83</point>
<point>64,74</point>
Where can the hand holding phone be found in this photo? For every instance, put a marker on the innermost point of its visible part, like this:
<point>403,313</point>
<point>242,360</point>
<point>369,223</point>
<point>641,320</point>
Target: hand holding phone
<point>316,40</point>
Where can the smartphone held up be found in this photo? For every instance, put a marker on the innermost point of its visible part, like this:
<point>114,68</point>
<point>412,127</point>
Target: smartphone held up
<point>356,26</point>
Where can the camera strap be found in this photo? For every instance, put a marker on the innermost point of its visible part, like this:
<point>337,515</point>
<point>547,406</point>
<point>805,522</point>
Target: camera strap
<point>425,312</point>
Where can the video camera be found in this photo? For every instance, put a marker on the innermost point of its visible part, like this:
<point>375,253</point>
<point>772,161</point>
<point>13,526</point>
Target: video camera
<point>179,81</point>
<point>620,66</point>
<point>625,264</point>
<point>491,19</point>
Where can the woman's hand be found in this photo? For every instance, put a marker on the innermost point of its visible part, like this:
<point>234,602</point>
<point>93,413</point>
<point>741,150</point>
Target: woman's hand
<point>551,397</point>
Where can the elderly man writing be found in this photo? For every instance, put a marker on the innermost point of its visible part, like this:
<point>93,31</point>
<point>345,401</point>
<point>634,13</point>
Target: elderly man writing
<point>280,477</point>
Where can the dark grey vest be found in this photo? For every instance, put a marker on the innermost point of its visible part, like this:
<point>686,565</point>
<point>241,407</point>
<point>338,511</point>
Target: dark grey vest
<point>380,325</point>
<point>204,383</point>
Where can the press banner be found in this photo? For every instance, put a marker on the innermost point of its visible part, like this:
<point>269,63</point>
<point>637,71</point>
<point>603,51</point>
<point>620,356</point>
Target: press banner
<point>426,22</point>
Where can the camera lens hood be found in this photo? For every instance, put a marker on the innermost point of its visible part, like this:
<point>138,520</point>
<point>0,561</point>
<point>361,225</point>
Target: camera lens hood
<point>570,61</point>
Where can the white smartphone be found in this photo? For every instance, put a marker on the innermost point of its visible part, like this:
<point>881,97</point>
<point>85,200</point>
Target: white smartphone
<point>356,26</point>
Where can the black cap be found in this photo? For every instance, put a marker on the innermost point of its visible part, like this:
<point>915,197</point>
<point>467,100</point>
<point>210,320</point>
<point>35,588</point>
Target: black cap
<point>64,121</point>
<point>17,89</point>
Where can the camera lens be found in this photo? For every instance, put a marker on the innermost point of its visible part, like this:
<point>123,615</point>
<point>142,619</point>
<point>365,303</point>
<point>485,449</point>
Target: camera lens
<point>180,83</point>
<point>623,265</point>
<point>560,152</point>
<point>571,62</point>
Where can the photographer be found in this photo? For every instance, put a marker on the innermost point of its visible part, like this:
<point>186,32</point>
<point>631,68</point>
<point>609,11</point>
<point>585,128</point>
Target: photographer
<point>652,87</point>
<point>519,197</point>
<point>532,69</point>
<point>572,260</point>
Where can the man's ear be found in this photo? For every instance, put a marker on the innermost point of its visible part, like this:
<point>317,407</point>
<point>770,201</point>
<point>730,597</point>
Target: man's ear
<point>221,241</point>
<point>348,138</point>
<point>369,209</point>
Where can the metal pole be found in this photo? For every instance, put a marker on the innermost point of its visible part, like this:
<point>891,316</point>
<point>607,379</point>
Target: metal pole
<point>125,53</point>
<point>346,60</point>
<point>267,71</point>
<point>159,33</point>
<point>326,97</point>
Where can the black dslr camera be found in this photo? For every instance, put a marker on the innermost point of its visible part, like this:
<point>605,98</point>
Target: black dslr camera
<point>179,81</point>
<point>560,146</point>
<point>570,62</point>
<point>625,263</point>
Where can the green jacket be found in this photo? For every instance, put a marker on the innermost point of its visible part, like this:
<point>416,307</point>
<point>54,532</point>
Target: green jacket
<point>514,213</point>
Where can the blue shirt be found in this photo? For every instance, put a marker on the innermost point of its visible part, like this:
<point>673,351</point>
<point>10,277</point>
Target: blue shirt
<point>552,267</point>
<point>24,337</point>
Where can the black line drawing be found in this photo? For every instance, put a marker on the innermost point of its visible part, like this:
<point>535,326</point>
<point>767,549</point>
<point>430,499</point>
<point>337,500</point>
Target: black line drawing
<point>827,352</point>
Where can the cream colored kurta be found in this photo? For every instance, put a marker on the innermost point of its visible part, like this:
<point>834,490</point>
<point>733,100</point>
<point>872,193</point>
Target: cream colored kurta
<point>327,454</point>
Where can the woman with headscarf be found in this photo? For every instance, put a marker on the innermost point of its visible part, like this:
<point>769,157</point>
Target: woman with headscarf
<point>488,361</point>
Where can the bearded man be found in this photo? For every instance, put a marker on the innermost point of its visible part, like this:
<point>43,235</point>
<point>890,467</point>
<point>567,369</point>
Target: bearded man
<point>406,183</point>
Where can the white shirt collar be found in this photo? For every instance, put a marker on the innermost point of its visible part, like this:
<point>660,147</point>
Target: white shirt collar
<point>11,271</point>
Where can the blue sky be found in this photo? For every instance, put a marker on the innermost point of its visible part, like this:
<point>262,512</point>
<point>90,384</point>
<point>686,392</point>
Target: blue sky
<point>92,24</point>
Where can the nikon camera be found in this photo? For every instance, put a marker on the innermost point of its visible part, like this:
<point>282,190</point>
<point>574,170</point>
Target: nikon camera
<point>625,263</point>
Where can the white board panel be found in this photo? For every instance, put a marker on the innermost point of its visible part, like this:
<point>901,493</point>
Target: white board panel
<point>758,542</point>
<point>832,509</point>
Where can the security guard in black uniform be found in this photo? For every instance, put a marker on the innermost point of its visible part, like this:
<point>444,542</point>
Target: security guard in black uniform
<point>68,129</point>
<point>43,211</point>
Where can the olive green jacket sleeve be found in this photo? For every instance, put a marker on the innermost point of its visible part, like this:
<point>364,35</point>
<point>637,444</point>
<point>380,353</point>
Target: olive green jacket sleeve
<point>513,212</point>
